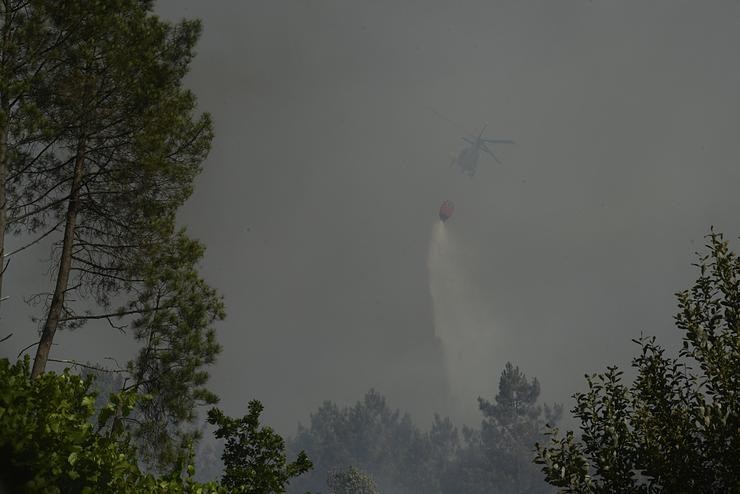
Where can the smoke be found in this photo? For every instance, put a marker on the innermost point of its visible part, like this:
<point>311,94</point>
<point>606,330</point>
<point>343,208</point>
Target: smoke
<point>462,324</point>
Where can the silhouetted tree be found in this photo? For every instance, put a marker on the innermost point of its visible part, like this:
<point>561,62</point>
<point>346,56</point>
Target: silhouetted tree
<point>428,457</point>
<point>378,440</point>
<point>498,458</point>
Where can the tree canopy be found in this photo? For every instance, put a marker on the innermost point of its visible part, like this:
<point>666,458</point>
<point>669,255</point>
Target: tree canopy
<point>254,457</point>
<point>100,143</point>
<point>49,442</point>
<point>498,456</point>
<point>124,147</point>
<point>401,458</point>
<point>350,481</point>
<point>676,427</point>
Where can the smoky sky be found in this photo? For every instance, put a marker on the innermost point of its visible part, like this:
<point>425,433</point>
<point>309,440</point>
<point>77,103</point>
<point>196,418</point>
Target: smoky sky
<point>318,199</point>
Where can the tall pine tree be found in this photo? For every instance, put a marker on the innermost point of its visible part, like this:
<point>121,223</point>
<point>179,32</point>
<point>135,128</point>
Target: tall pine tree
<point>175,311</point>
<point>127,147</point>
<point>498,458</point>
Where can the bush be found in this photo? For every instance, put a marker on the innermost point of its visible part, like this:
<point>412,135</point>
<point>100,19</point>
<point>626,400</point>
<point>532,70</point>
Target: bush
<point>676,428</point>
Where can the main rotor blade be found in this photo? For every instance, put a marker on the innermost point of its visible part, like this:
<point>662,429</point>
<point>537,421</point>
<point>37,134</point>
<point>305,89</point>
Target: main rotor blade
<point>485,148</point>
<point>499,141</point>
<point>469,141</point>
<point>481,131</point>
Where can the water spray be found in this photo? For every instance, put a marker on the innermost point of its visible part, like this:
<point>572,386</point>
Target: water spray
<point>462,324</point>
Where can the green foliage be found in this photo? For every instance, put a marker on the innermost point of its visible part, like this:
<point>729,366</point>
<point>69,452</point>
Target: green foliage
<point>27,49</point>
<point>113,150</point>
<point>350,481</point>
<point>49,444</point>
<point>177,310</point>
<point>676,428</point>
<point>124,146</point>
<point>99,146</point>
<point>254,457</point>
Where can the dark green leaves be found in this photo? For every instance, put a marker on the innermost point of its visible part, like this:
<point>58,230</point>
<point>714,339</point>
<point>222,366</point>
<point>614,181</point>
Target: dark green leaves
<point>254,457</point>
<point>676,428</point>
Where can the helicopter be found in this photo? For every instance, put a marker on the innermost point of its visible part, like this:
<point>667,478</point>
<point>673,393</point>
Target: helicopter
<point>467,160</point>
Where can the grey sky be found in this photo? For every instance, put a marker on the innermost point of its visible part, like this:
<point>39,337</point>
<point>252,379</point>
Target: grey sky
<point>318,199</point>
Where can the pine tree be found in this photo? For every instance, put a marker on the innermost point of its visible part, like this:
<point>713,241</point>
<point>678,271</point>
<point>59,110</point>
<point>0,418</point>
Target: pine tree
<point>498,458</point>
<point>126,149</point>
<point>105,147</point>
<point>511,426</point>
<point>176,311</point>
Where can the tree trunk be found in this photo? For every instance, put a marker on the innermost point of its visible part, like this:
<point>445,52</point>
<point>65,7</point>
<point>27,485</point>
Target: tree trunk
<point>4,126</point>
<point>65,263</point>
<point>3,175</point>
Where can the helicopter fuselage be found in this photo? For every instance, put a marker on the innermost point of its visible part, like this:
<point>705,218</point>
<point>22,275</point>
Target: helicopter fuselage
<point>468,160</point>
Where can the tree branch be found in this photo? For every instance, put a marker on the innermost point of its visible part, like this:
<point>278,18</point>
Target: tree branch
<point>77,364</point>
<point>114,314</point>
<point>19,249</point>
<point>26,348</point>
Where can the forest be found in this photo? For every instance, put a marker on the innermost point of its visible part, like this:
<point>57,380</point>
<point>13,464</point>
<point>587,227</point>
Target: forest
<point>101,144</point>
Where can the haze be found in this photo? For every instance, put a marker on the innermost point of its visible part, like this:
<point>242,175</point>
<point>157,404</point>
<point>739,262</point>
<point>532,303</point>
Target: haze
<point>319,200</point>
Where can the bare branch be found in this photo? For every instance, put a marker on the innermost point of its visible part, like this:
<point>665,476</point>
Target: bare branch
<point>53,229</point>
<point>104,275</point>
<point>113,314</point>
<point>115,362</point>
<point>26,348</point>
<point>35,159</point>
<point>77,364</point>
<point>48,191</point>
<point>187,143</point>
<point>13,220</point>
